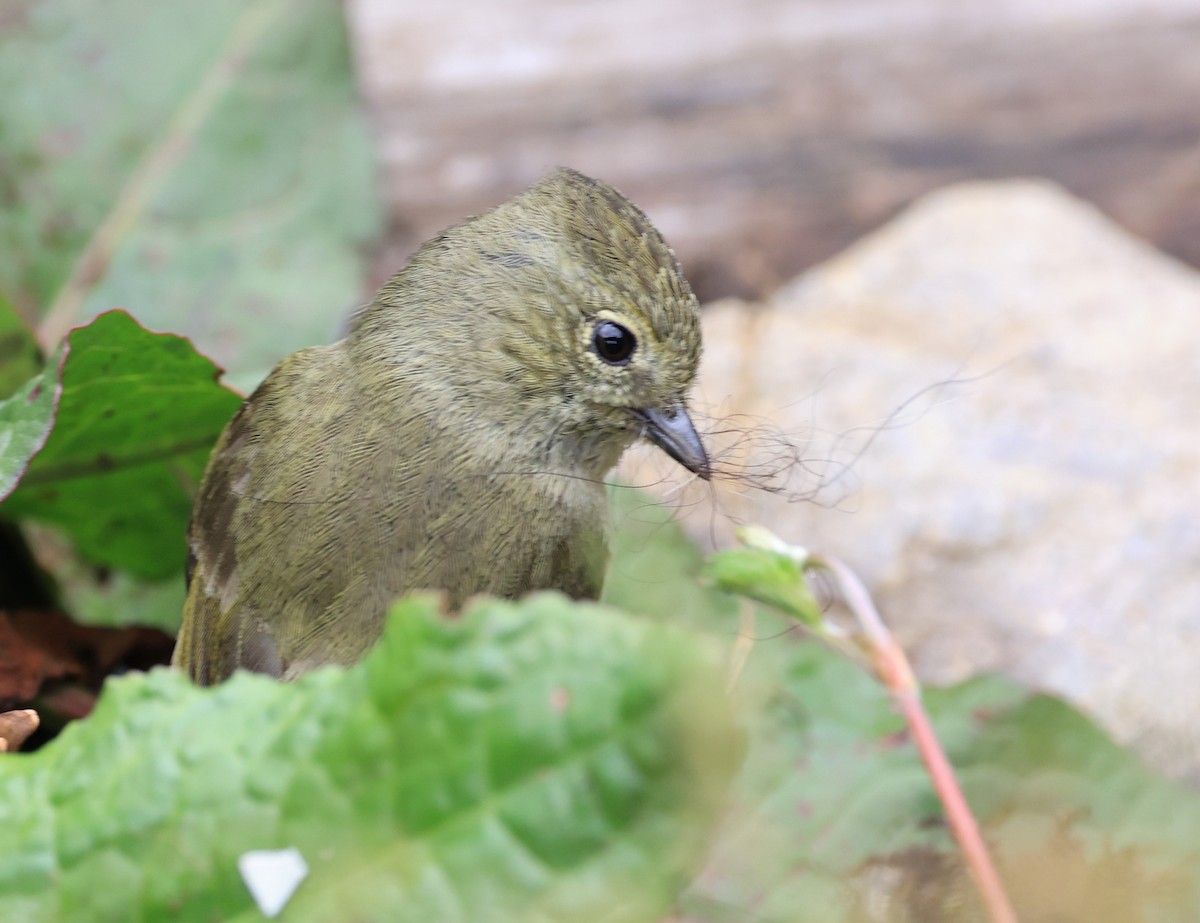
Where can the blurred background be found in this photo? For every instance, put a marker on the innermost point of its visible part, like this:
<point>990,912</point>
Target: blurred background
<point>277,156</point>
<point>765,136</point>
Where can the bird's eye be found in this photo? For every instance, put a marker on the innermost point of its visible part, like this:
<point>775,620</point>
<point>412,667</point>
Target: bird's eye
<point>614,344</point>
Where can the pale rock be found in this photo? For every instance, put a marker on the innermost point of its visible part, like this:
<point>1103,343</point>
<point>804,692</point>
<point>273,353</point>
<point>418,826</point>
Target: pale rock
<point>1035,508</point>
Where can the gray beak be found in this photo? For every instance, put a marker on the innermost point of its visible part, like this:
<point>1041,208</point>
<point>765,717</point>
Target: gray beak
<point>673,432</point>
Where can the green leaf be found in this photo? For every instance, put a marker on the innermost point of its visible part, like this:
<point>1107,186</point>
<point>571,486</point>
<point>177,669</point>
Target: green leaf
<point>137,416</point>
<point>26,419</point>
<point>542,761</point>
<point>655,570</point>
<point>833,818</point>
<point>767,577</point>
<point>198,164</point>
<point>833,814</point>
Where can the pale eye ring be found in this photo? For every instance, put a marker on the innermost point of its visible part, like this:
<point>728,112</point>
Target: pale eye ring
<point>613,343</point>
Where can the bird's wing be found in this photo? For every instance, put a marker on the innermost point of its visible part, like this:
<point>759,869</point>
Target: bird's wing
<point>267,489</point>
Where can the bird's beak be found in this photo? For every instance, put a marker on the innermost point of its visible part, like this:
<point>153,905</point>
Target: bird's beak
<point>672,431</point>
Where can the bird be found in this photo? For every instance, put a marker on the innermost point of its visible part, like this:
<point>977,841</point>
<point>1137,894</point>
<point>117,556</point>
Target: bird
<point>456,439</point>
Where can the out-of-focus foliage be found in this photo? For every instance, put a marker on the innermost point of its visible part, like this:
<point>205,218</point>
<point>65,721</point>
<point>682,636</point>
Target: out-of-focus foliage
<point>543,761</point>
<point>205,166</point>
<point>19,359</point>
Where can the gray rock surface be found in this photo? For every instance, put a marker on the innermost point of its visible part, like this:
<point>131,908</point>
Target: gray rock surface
<point>1033,507</point>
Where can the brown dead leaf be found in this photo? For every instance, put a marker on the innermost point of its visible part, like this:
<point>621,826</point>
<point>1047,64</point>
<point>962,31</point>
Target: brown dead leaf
<point>26,663</point>
<point>48,661</point>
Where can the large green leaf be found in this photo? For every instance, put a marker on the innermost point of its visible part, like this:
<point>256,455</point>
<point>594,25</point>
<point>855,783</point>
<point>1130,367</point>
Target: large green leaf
<point>834,820</point>
<point>543,761</point>
<point>129,436</point>
<point>202,165</point>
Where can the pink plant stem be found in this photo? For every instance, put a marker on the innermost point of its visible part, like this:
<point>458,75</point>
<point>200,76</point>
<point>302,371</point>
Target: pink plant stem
<point>958,812</point>
<point>892,667</point>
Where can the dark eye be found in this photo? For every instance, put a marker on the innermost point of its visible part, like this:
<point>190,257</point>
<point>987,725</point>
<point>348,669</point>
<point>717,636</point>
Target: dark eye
<point>614,344</point>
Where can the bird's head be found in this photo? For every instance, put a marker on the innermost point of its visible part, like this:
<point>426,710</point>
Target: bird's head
<point>577,322</point>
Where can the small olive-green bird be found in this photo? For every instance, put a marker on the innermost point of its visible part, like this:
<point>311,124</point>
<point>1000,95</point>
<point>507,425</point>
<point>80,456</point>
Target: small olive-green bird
<point>457,439</point>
